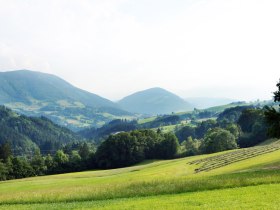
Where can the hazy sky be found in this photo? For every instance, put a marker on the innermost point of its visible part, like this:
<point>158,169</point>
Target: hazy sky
<point>213,48</point>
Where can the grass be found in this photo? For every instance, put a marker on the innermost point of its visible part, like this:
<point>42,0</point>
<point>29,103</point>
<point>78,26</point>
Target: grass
<point>252,197</point>
<point>167,128</point>
<point>222,160</point>
<point>146,120</point>
<point>170,184</point>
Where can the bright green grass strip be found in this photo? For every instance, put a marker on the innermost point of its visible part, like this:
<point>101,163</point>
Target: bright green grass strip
<point>252,197</point>
<point>156,178</point>
<point>147,188</point>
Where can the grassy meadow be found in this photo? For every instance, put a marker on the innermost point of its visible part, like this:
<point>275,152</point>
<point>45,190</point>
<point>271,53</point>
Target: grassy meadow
<point>251,181</point>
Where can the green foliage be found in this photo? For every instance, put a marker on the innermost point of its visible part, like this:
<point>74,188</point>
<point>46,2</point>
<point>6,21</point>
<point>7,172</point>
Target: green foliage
<point>128,148</point>
<point>38,164</point>
<point>234,129</point>
<point>231,115</point>
<point>203,127</point>
<point>254,127</point>
<point>168,147</point>
<point>195,132</point>
<point>26,134</point>
<point>49,162</point>
<point>21,168</point>
<point>277,93</point>
<point>112,127</point>
<point>191,146</point>
<point>3,171</point>
<point>5,151</point>
<point>272,117</point>
<point>75,160</point>
<point>217,140</point>
<point>185,132</point>
<point>84,151</point>
<point>60,157</point>
<point>249,117</point>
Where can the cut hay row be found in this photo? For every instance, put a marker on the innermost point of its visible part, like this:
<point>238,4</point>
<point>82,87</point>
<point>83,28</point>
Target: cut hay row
<point>210,163</point>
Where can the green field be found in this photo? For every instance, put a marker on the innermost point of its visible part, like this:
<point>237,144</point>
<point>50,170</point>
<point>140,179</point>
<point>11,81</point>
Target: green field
<point>146,120</point>
<point>250,181</point>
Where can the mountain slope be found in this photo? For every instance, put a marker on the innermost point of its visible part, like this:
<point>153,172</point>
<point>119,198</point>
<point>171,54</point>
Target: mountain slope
<point>154,101</point>
<point>25,86</point>
<point>25,134</point>
<point>204,102</point>
<point>35,94</point>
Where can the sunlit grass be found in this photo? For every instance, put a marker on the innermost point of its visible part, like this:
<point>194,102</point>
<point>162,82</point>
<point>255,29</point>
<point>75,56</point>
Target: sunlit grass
<point>146,120</point>
<point>152,178</point>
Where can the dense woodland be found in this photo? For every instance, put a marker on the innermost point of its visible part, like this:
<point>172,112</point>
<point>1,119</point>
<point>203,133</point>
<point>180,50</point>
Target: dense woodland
<point>32,146</point>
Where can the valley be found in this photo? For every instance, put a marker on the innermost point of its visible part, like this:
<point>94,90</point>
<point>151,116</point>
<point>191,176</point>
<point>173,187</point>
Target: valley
<point>139,105</point>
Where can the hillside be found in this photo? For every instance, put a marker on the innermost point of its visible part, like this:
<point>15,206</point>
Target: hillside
<point>154,101</point>
<point>34,93</point>
<point>204,102</point>
<point>248,182</point>
<point>25,134</point>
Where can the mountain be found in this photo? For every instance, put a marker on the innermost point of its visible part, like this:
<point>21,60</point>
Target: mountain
<point>35,93</point>
<point>204,102</point>
<point>25,134</point>
<point>154,101</point>
<point>25,86</point>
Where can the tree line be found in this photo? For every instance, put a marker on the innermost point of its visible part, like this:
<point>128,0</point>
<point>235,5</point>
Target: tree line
<point>119,150</point>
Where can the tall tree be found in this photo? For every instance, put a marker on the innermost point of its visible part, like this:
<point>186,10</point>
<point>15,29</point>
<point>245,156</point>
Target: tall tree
<point>272,116</point>
<point>217,140</point>
<point>277,93</point>
<point>5,151</point>
<point>84,151</point>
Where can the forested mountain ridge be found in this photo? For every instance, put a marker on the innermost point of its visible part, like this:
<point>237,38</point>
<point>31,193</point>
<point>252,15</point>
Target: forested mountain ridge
<point>35,94</point>
<point>154,101</point>
<point>26,134</point>
<point>25,86</point>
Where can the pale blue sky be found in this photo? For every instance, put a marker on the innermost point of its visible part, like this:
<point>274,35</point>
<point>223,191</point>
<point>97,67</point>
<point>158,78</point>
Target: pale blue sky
<point>213,48</point>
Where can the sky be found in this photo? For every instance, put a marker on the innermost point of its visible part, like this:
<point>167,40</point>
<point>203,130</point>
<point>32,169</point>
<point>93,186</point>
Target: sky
<point>194,48</point>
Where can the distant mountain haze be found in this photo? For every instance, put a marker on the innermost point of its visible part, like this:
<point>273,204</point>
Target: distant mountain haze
<point>154,101</point>
<point>35,94</point>
<point>39,94</point>
<point>25,86</point>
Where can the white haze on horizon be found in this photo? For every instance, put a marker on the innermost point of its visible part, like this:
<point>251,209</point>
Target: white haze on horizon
<point>195,48</point>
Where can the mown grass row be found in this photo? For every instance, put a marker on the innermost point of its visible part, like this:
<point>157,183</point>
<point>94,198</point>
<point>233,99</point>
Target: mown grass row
<point>218,161</point>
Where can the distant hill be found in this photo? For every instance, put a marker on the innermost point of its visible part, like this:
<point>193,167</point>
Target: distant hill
<point>154,101</point>
<point>204,102</point>
<point>26,86</point>
<point>25,134</point>
<point>36,94</point>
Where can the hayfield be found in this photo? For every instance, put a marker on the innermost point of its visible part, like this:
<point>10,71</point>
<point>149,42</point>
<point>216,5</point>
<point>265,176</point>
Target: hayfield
<point>252,180</point>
